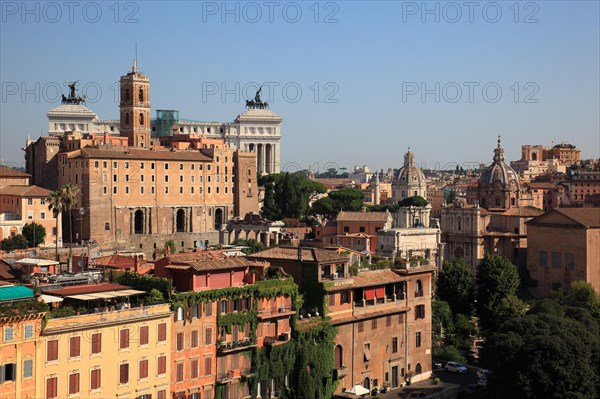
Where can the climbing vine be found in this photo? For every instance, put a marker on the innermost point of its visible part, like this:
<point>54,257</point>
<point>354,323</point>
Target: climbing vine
<point>228,320</point>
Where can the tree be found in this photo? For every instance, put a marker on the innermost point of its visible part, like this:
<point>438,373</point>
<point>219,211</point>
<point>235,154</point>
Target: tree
<point>69,197</point>
<point>269,209</point>
<point>347,199</point>
<point>170,246</point>
<point>441,321</point>
<point>497,278</point>
<point>545,354</point>
<point>455,285</point>
<point>415,200</point>
<point>288,195</point>
<point>34,233</point>
<point>324,206</point>
<point>56,205</point>
<point>154,298</point>
<point>16,242</point>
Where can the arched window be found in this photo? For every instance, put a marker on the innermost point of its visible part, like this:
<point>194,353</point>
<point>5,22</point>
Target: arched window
<point>534,156</point>
<point>218,218</point>
<point>141,95</point>
<point>126,118</point>
<point>459,223</point>
<point>338,357</point>
<point>367,383</point>
<point>179,313</point>
<point>141,119</point>
<point>106,226</point>
<point>418,369</point>
<point>418,288</point>
<point>126,96</point>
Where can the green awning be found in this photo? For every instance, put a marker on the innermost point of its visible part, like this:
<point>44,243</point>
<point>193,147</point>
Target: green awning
<point>14,292</point>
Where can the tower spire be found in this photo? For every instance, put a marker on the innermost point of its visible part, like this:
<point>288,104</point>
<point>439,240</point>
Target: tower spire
<point>134,69</point>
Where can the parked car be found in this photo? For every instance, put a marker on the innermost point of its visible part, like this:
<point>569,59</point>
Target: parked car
<point>482,382</point>
<point>437,364</point>
<point>456,367</point>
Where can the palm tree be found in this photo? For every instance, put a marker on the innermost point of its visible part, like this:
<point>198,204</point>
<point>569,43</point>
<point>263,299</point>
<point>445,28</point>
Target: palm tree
<point>56,205</point>
<point>69,197</point>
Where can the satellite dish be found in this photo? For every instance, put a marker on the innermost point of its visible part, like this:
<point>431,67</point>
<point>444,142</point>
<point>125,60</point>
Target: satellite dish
<point>81,263</point>
<point>97,254</point>
<point>33,253</point>
<point>198,243</point>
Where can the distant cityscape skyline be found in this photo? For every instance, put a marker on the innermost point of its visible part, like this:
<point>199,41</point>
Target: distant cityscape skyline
<point>448,102</point>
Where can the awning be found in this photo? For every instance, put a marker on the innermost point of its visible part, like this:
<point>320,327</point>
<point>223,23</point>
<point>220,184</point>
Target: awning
<point>369,294</point>
<point>367,352</point>
<point>51,298</point>
<point>380,292</point>
<point>105,295</point>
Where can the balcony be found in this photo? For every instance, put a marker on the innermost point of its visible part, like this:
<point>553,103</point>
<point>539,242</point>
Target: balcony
<point>225,376</point>
<point>278,311</point>
<point>248,371</point>
<point>394,301</point>
<point>335,276</point>
<point>341,372</point>
<point>229,347</point>
<point>278,340</point>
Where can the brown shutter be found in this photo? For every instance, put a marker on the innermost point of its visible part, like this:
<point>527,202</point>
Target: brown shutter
<point>179,372</point>
<point>162,364</point>
<point>74,346</point>
<point>161,394</point>
<point>124,373</point>
<point>124,339</point>
<point>143,369</point>
<point>194,342</point>
<point>194,369</point>
<point>207,366</point>
<point>162,332</point>
<point>179,341</point>
<point>96,378</point>
<point>52,350</point>
<point>51,388</point>
<point>97,343</point>
<point>73,383</point>
<point>144,335</point>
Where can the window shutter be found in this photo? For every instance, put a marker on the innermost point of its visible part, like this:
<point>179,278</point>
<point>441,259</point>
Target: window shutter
<point>51,385</point>
<point>207,366</point>
<point>124,373</point>
<point>162,332</point>
<point>124,341</point>
<point>74,345</point>
<point>144,335</point>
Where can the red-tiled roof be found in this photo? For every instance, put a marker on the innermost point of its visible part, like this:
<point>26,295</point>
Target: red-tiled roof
<point>541,185</point>
<point>363,217</point>
<point>207,261</point>
<point>87,289</point>
<point>9,272</point>
<point>523,211</point>
<point>25,191</point>
<point>589,217</point>
<point>368,279</point>
<point>6,171</point>
<point>132,153</point>
<point>116,261</point>
<point>291,253</point>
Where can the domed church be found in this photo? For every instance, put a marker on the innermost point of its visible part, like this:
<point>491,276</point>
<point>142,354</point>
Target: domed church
<point>410,180</point>
<point>498,187</point>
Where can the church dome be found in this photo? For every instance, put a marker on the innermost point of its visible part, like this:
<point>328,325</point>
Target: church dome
<point>409,180</point>
<point>409,174</point>
<point>499,175</point>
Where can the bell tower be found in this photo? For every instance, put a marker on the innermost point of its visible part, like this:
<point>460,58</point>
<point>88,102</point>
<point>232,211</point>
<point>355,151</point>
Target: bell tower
<point>135,108</point>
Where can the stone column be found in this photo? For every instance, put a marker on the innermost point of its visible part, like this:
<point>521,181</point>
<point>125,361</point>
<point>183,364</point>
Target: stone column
<point>268,158</point>
<point>260,158</point>
<point>277,238</point>
<point>276,160</point>
<point>268,239</point>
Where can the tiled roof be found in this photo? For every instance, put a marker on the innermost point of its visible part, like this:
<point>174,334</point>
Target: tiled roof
<point>363,216</point>
<point>309,254</point>
<point>523,211</point>
<point>87,289</point>
<point>541,185</point>
<point>132,153</point>
<point>589,217</point>
<point>117,261</point>
<point>9,272</point>
<point>208,261</point>
<point>6,171</point>
<point>369,278</point>
<point>25,191</point>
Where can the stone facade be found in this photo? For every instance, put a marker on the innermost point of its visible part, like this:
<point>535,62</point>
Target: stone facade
<point>410,180</point>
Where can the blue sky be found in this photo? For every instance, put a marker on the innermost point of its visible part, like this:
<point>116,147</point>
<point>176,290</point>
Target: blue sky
<point>362,68</point>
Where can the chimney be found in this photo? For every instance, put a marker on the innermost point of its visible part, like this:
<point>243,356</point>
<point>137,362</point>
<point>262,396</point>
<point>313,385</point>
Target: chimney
<point>106,137</point>
<point>299,253</point>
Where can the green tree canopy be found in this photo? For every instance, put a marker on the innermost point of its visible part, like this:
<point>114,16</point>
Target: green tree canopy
<point>324,206</point>
<point>456,284</point>
<point>545,354</point>
<point>497,278</point>
<point>17,242</point>
<point>34,233</point>
<point>287,195</point>
<point>415,200</point>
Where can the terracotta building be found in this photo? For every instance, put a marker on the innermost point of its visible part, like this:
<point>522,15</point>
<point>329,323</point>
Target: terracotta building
<point>383,316</point>
<point>564,246</point>
<point>19,333</point>
<point>107,353</point>
<point>13,177</point>
<point>355,230</point>
<point>20,205</point>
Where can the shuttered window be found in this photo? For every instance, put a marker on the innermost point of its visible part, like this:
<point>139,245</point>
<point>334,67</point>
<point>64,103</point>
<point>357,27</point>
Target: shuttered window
<point>95,379</point>
<point>194,369</point>
<point>179,341</point>
<point>96,343</point>
<point>161,394</point>
<point>124,339</point>
<point>194,342</point>
<point>162,332</point>
<point>52,350</point>
<point>208,336</point>
<point>73,383</point>
<point>179,372</point>
<point>144,335</point>
<point>208,366</point>
<point>74,346</point>
<point>143,369</point>
<point>124,373</point>
<point>162,364</point>
<point>51,388</point>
